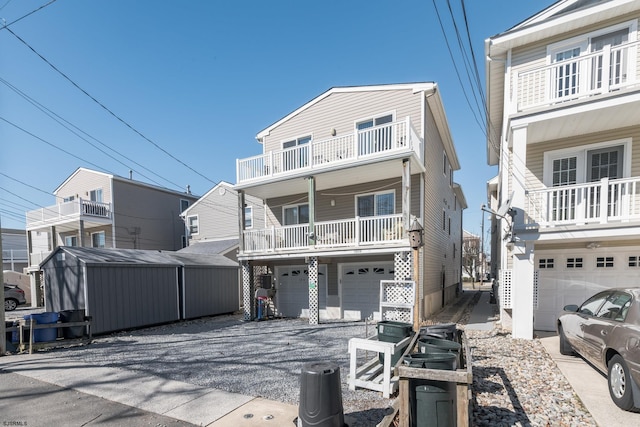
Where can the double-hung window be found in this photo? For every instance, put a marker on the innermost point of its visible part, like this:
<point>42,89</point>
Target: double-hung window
<point>71,241</point>
<point>98,240</point>
<point>193,224</point>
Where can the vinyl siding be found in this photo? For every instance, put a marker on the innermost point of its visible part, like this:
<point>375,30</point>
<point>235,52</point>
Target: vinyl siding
<point>345,200</point>
<point>439,197</point>
<point>341,111</point>
<point>535,152</point>
<point>218,215</point>
<point>84,181</point>
<point>147,218</point>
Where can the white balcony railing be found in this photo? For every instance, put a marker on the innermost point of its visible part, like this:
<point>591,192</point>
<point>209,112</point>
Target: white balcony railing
<point>596,73</point>
<point>67,211</point>
<point>354,232</point>
<point>605,201</point>
<point>364,143</point>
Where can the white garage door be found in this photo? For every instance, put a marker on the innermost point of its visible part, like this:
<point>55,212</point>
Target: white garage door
<point>360,288</point>
<point>572,277</point>
<point>292,296</point>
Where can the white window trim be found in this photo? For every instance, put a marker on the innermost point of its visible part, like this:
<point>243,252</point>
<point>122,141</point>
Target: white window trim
<point>105,239</point>
<point>374,193</point>
<point>581,159</point>
<point>445,163</point>
<point>296,205</point>
<point>583,41</point>
<point>197,217</point>
<point>391,113</point>
<point>96,191</point>
<point>250,208</point>
<point>296,139</point>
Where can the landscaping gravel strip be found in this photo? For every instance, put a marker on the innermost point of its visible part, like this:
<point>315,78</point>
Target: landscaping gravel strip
<point>515,382</point>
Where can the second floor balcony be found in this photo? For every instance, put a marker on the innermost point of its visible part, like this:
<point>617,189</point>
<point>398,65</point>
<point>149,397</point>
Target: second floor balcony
<point>570,78</point>
<point>603,202</point>
<point>360,146</point>
<point>64,213</point>
<point>359,232</point>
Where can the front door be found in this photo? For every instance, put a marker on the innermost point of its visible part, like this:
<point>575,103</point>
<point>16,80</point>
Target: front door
<point>604,163</point>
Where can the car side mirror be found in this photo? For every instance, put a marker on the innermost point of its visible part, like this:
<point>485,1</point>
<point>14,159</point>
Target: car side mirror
<point>571,307</point>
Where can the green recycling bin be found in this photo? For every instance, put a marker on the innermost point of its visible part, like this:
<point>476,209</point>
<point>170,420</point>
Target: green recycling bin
<point>435,407</point>
<point>392,331</point>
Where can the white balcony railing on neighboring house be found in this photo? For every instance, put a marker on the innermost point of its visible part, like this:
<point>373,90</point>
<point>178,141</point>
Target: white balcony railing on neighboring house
<point>604,71</point>
<point>361,144</point>
<point>35,258</point>
<point>67,211</point>
<point>359,231</point>
<point>605,201</point>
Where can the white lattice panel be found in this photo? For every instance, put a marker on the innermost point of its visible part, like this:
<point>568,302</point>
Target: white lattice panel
<point>397,298</point>
<point>313,290</point>
<point>403,266</point>
<point>506,288</point>
<point>397,314</point>
<point>247,291</point>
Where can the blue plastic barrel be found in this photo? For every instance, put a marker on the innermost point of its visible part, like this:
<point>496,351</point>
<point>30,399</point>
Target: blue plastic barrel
<point>44,335</point>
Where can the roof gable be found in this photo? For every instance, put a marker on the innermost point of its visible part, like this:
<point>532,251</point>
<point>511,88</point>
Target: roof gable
<point>416,87</point>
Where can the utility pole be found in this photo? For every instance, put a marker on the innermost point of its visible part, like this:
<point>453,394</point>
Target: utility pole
<point>482,247</point>
<point>3,334</point>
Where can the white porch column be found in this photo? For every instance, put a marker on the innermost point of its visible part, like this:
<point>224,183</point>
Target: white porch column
<point>522,291</point>
<point>314,310</point>
<point>522,252</point>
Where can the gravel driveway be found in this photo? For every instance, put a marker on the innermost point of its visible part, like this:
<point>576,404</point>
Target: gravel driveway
<point>252,358</point>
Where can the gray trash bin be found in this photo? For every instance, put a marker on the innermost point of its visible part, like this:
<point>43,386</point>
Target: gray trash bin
<point>435,407</point>
<point>69,316</point>
<point>320,396</point>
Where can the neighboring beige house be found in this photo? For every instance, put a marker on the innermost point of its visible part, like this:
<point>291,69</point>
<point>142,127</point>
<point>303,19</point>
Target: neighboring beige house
<point>344,178</point>
<point>96,209</point>
<point>563,92</point>
<point>214,219</point>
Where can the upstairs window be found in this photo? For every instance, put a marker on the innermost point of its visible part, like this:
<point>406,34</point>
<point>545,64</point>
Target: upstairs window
<point>98,240</point>
<point>296,214</point>
<point>373,135</point>
<point>193,224</point>
<point>295,158</point>
<point>69,199</point>
<point>96,195</point>
<point>375,204</point>
<point>71,241</point>
<point>248,217</point>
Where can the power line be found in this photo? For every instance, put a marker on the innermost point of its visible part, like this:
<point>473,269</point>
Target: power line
<point>58,119</point>
<point>22,17</point>
<point>51,144</point>
<point>446,39</point>
<point>106,108</point>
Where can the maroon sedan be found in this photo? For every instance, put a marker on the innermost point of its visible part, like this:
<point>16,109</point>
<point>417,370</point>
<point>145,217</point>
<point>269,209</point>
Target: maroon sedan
<point>605,330</point>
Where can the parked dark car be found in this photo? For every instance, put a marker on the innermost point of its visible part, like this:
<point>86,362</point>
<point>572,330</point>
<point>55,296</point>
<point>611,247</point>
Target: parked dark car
<point>605,330</point>
<point>13,297</point>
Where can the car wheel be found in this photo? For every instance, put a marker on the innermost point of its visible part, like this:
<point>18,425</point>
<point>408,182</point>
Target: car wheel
<point>620,383</point>
<point>10,304</point>
<point>565,347</point>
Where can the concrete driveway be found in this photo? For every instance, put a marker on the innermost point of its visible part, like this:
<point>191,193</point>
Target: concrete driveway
<point>589,384</point>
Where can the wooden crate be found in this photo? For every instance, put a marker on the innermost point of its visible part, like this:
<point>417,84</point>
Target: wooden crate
<point>27,325</point>
<point>462,377</point>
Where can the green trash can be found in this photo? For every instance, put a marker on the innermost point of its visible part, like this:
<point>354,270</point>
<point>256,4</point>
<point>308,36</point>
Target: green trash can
<point>444,361</point>
<point>392,331</point>
<point>435,407</point>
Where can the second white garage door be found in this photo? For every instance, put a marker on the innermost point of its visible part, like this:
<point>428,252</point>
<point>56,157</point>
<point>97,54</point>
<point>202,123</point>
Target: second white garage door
<point>292,296</point>
<point>360,288</point>
<point>570,277</point>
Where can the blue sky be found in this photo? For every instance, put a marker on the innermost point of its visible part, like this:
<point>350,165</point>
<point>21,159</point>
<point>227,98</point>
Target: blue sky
<point>201,78</point>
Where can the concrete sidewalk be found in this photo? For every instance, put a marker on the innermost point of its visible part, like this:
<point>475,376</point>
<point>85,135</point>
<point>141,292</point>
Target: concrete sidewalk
<point>105,390</point>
